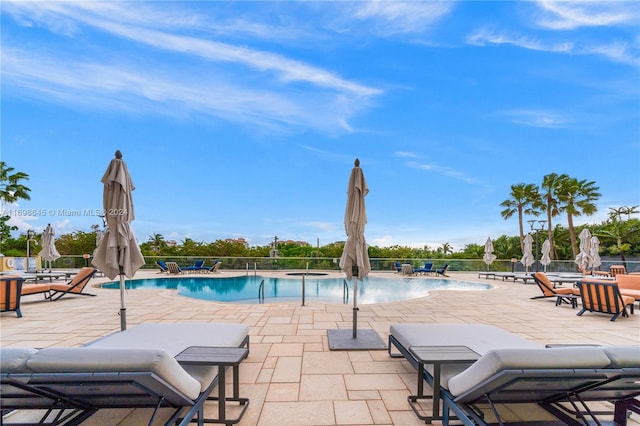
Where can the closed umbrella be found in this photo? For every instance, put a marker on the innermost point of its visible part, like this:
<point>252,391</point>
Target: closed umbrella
<point>99,235</point>
<point>355,263</point>
<point>594,253</point>
<point>582,259</point>
<point>118,252</point>
<point>527,253</point>
<point>49,253</point>
<point>488,257</point>
<point>546,254</point>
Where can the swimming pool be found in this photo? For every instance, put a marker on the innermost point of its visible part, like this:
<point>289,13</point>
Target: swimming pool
<point>245,289</point>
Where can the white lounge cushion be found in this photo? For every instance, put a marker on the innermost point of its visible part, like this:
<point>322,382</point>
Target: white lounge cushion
<point>14,360</point>
<point>480,338</point>
<point>623,356</point>
<point>492,362</point>
<point>175,338</point>
<point>93,360</point>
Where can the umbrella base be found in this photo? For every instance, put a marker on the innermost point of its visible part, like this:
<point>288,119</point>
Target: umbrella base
<point>342,340</point>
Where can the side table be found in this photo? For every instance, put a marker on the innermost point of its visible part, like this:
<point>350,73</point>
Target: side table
<point>221,357</point>
<point>437,356</point>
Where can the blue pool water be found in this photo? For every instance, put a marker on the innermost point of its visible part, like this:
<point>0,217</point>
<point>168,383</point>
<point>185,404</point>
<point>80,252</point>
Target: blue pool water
<point>244,289</point>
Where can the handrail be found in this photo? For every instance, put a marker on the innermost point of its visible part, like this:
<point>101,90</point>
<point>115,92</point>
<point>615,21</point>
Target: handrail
<point>345,291</point>
<point>303,290</point>
<point>261,292</point>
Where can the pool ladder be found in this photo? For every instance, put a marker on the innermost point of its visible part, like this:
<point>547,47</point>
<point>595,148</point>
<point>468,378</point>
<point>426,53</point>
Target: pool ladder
<point>345,291</point>
<point>261,292</point>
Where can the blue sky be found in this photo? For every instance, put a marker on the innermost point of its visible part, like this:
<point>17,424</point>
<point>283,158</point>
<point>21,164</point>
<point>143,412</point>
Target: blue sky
<point>243,119</point>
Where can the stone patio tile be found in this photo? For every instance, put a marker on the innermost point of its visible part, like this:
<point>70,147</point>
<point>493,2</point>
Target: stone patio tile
<point>283,392</point>
<point>297,413</point>
<point>286,349</point>
<point>378,412</point>
<point>287,369</point>
<point>326,363</point>
<point>352,413</point>
<point>373,382</point>
<point>322,387</point>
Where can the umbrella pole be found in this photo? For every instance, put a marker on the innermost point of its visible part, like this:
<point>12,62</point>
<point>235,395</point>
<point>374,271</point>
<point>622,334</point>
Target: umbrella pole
<point>355,308</point>
<point>123,309</point>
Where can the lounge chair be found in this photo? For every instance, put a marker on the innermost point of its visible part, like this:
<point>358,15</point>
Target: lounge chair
<point>510,369</point>
<point>174,268</point>
<point>29,289</point>
<point>216,266</point>
<point>10,291</point>
<point>75,286</point>
<point>398,266</point>
<point>141,367</point>
<point>604,297</point>
<point>427,268</point>
<point>629,285</point>
<point>615,270</point>
<point>562,295</point>
<point>442,271</point>
<point>162,265</point>
<point>198,265</point>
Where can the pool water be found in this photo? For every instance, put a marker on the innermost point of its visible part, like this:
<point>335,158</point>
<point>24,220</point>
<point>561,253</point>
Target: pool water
<point>245,289</point>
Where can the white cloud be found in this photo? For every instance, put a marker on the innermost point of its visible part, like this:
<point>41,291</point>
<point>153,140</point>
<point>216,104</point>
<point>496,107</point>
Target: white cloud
<point>536,118</point>
<point>569,15</point>
<point>444,171</point>
<point>391,17</point>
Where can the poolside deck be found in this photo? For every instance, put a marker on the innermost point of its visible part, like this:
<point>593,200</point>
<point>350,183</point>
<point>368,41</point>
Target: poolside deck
<point>291,376</point>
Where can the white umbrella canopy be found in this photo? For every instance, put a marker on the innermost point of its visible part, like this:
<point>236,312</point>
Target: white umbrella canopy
<point>49,252</point>
<point>355,251</point>
<point>545,260</point>
<point>527,252</point>
<point>488,257</point>
<point>355,263</point>
<point>594,253</point>
<point>582,259</point>
<point>118,252</point>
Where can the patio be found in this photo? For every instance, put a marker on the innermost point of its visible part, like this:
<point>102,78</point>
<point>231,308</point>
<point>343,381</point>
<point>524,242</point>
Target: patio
<point>291,376</point>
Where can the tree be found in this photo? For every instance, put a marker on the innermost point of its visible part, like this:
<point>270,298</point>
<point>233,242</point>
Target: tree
<point>11,190</point>
<point>577,197</point>
<point>157,242</point>
<point>549,204</point>
<point>620,232</point>
<point>524,199</point>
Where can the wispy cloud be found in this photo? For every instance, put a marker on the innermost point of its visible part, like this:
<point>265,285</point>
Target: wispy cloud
<point>622,52</point>
<point>405,154</point>
<point>569,15</point>
<point>393,17</point>
<point>443,170</point>
<point>231,82</point>
<point>536,118</point>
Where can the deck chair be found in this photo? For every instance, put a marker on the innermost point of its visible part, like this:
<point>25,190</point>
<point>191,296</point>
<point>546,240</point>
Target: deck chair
<point>442,271</point>
<point>162,265</point>
<point>174,268</point>
<point>29,289</point>
<point>75,286</point>
<point>198,265</point>
<point>398,266</point>
<point>563,295</point>
<point>10,291</point>
<point>560,380</point>
<point>214,269</point>
<point>426,269</point>
<point>136,368</point>
<point>604,297</point>
<point>617,269</point>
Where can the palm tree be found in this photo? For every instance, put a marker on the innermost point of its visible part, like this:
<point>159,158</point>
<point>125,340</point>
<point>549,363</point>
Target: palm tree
<point>524,200</point>
<point>577,197</point>
<point>157,242</point>
<point>549,204</point>
<point>617,230</point>
<point>11,190</point>
<point>446,248</point>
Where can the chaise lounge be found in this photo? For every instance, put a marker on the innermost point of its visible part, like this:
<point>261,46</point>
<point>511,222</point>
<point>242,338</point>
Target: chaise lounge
<point>75,286</point>
<point>157,366</point>
<point>482,374</point>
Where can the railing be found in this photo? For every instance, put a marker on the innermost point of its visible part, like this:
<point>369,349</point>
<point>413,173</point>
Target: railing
<point>345,292</point>
<point>314,263</point>
<point>261,292</point>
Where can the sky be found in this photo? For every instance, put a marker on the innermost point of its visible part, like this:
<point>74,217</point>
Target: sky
<point>243,119</point>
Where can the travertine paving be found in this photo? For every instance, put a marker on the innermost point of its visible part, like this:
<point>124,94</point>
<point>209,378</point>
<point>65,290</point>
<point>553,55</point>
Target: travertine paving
<point>291,376</point>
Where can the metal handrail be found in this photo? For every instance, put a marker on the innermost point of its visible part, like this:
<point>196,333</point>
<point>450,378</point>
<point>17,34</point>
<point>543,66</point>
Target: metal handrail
<point>345,291</point>
<point>261,292</point>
